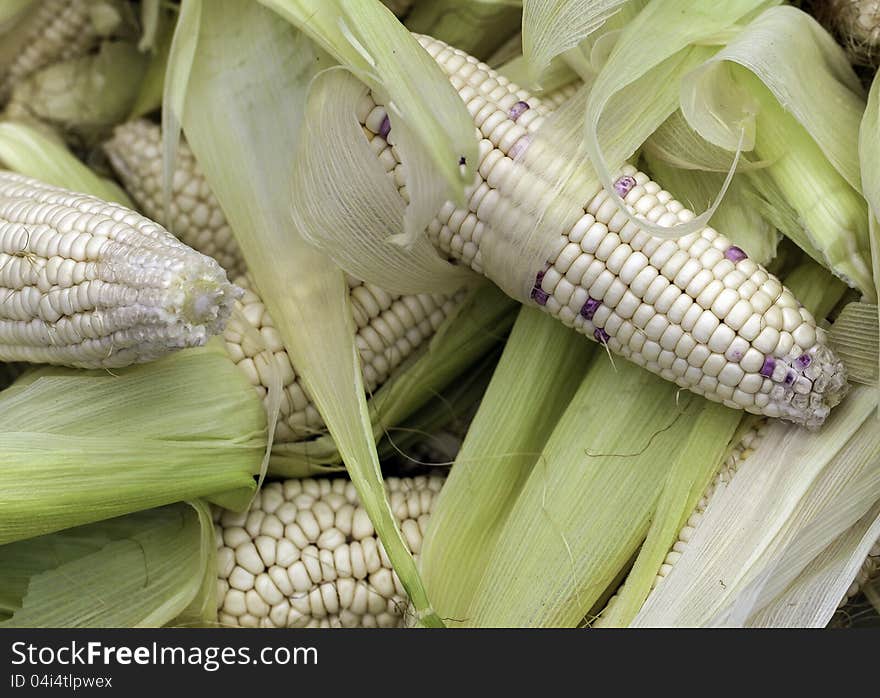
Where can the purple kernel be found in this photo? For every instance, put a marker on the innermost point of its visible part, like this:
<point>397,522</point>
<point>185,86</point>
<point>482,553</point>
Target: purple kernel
<point>462,160</point>
<point>624,185</point>
<point>767,368</point>
<point>385,127</point>
<point>804,360</point>
<point>519,147</point>
<point>735,254</point>
<point>539,295</point>
<point>589,308</point>
<point>601,335</point>
<point>517,110</point>
<point>539,277</point>
<point>790,377</point>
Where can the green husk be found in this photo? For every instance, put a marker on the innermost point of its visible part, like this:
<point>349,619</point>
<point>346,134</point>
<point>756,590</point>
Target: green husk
<point>856,339</point>
<point>516,416</point>
<point>787,503</point>
<point>832,216</point>
<point>474,330</point>
<point>433,129</point>
<point>30,152</point>
<point>81,446</point>
<point>141,570</point>
<point>478,27</point>
<point>149,97</point>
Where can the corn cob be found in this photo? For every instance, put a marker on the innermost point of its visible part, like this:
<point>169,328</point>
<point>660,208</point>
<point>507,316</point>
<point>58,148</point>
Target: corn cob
<point>135,153</point>
<point>857,25</point>
<point>390,327</point>
<point>56,30</point>
<point>696,310</point>
<point>92,284</point>
<point>306,555</point>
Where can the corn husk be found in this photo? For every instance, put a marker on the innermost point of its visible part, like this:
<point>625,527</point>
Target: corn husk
<point>81,446</point>
<point>786,504</point>
<point>512,541</point>
<point>141,570</point>
<point>433,129</point>
<point>736,215</point>
<point>478,27</point>
<point>156,40</point>
<point>29,151</point>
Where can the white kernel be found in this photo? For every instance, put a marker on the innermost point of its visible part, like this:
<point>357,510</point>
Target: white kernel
<point>691,316</point>
<point>739,314</point>
<point>698,355</point>
<point>731,375</point>
<point>721,338</point>
<point>567,257</point>
<point>632,266</point>
<point>705,326</point>
<point>670,337</point>
<point>714,365</point>
<point>751,328</point>
<point>751,382</point>
<point>804,336</point>
<point>678,309</point>
<point>618,258</point>
<point>656,327</point>
<point>752,361</point>
<point>657,286</point>
<point>643,279</point>
<point>685,345</point>
<point>766,341</point>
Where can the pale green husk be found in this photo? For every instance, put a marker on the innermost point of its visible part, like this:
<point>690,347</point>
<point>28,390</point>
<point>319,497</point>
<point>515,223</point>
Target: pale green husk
<point>558,480</point>
<point>81,446</point>
<point>475,26</point>
<point>140,570</point>
<point>433,130</point>
<point>29,151</point>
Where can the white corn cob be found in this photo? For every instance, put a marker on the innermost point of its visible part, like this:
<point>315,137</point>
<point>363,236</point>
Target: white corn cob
<point>694,310</point>
<point>135,152</point>
<point>306,555</point>
<point>56,30</point>
<point>390,328</point>
<point>92,284</point>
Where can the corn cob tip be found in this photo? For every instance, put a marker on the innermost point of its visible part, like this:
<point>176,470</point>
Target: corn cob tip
<point>93,284</point>
<point>806,385</point>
